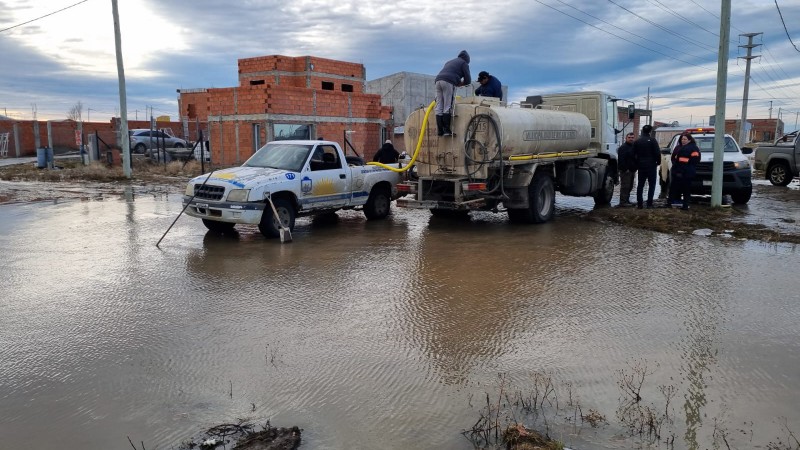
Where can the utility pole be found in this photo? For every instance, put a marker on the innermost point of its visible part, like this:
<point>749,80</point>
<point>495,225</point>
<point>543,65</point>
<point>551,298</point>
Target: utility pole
<point>719,112</point>
<point>749,47</point>
<point>123,99</point>
<point>777,121</point>
<point>647,107</point>
<point>770,109</point>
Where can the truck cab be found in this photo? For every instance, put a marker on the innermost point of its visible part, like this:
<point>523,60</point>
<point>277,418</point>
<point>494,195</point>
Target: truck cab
<point>736,169</point>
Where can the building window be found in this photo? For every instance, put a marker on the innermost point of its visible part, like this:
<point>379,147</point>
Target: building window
<point>286,131</point>
<point>327,86</point>
<point>347,87</point>
<point>256,82</point>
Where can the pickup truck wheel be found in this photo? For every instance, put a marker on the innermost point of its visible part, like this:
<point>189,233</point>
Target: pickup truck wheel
<point>742,196</point>
<point>604,195</point>
<point>779,174</point>
<point>541,201</point>
<point>378,204</point>
<point>269,226</point>
<point>218,227</point>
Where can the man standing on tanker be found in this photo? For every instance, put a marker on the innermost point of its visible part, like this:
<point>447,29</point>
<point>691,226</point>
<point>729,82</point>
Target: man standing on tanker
<point>648,157</point>
<point>455,73</point>
<point>490,86</point>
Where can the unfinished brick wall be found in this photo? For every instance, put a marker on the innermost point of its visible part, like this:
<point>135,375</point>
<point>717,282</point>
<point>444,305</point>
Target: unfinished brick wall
<point>324,93</point>
<point>63,133</point>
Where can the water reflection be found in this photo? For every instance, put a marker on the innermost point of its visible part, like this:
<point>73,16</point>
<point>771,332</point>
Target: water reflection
<point>379,330</point>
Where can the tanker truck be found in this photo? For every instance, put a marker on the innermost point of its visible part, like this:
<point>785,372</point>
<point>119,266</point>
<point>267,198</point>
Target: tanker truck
<point>514,159</point>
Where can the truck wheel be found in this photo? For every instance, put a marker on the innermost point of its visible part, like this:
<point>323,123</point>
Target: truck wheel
<point>541,201</point>
<point>779,174</point>
<point>742,196</point>
<point>606,192</point>
<point>378,204</point>
<point>140,149</point>
<point>218,227</point>
<point>269,226</point>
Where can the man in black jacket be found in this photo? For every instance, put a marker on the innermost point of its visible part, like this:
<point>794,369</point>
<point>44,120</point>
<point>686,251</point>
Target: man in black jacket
<point>386,154</point>
<point>627,170</point>
<point>648,156</point>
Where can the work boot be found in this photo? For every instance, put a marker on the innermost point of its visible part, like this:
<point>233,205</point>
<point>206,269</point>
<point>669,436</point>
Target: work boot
<point>446,124</point>
<point>439,125</point>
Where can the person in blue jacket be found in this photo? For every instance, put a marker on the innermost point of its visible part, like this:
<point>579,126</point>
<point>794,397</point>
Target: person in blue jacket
<point>490,86</point>
<point>455,73</point>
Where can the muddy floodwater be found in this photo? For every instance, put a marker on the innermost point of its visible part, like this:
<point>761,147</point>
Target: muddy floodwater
<point>387,334</point>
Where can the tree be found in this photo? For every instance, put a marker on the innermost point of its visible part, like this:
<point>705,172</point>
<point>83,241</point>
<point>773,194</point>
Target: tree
<point>76,112</point>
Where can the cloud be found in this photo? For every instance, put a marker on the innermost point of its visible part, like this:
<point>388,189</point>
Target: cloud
<point>532,46</point>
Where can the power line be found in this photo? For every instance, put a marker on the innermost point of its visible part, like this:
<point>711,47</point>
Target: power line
<point>624,39</point>
<point>685,19</point>
<point>784,26</point>
<point>42,17</point>
<point>634,34</point>
<point>713,49</point>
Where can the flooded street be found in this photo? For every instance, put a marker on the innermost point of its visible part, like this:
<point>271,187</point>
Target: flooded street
<point>386,334</point>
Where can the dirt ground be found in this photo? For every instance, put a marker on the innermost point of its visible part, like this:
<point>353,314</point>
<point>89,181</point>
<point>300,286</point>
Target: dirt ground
<point>71,179</point>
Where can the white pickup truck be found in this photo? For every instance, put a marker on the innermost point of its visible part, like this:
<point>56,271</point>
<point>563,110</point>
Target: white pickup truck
<point>302,177</point>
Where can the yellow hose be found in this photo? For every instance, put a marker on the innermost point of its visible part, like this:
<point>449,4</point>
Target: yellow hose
<point>416,151</point>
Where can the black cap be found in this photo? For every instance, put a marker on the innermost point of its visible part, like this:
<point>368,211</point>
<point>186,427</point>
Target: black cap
<point>483,75</point>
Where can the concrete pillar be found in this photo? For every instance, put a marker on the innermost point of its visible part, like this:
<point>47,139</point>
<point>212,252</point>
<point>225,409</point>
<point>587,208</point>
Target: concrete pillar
<point>37,141</point>
<point>16,140</point>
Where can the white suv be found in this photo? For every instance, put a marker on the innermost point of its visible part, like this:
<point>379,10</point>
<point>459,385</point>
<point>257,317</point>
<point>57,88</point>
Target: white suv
<point>736,170</point>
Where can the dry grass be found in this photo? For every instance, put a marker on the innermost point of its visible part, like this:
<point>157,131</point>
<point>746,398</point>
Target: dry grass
<point>143,171</point>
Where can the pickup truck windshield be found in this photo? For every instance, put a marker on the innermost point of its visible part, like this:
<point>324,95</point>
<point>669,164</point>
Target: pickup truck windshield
<point>280,156</point>
<point>706,144</point>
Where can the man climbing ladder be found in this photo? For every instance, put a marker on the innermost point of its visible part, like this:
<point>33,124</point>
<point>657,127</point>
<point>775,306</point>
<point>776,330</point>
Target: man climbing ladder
<point>455,73</point>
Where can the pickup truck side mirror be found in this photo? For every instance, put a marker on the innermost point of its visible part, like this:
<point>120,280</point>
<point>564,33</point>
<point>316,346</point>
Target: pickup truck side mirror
<point>631,111</point>
<point>747,150</point>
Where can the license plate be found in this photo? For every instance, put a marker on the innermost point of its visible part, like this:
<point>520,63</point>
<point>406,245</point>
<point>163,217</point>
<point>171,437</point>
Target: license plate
<point>706,182</point>
<point>201,205</point>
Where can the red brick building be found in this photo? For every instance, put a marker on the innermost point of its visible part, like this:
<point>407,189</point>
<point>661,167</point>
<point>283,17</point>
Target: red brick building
<point>760,130</point>
<point>281,97</point>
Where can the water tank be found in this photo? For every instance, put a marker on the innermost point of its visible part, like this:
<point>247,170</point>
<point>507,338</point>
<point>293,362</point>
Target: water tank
<point>485,131</point>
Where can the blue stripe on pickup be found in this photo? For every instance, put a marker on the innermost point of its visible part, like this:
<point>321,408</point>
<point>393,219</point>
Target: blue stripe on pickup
<point>328,198</point>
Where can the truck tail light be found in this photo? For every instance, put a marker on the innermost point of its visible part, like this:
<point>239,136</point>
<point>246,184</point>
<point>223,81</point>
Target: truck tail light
<point>408,188</point>
<point>473,186</point>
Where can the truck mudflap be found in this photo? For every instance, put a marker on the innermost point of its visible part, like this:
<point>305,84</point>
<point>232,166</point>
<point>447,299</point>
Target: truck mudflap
<point>478,203</point>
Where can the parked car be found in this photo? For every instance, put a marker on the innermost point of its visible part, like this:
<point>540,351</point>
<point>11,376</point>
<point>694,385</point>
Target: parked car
<point>780,162</point>
<point>143,140</point>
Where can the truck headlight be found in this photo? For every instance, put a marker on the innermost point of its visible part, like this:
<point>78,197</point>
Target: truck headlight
<point>742,164</point>
<point>238,195</point>
<point>189,190</point>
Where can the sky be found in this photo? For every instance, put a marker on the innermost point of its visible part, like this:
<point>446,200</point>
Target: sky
<point>57,53</point>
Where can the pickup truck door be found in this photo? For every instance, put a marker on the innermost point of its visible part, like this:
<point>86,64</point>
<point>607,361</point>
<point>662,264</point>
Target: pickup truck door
<point>325,181</point>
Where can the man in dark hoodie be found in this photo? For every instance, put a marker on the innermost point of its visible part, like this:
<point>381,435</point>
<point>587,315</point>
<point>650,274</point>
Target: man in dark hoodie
<point>647,154</point>
<point>386,154</point>
<point>455,73</point>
